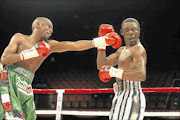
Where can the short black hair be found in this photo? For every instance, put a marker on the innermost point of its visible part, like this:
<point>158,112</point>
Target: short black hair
<point>130,20</point>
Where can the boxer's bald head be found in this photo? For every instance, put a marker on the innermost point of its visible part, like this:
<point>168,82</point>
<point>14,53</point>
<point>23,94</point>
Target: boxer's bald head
<point>39,20</point>
<point>42,27</point>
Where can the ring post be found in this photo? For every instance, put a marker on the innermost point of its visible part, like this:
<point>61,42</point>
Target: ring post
<point>59,104</point>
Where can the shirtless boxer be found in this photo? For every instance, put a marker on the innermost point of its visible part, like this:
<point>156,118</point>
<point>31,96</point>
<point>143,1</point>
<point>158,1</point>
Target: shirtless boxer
<point>129,101</point>
<point>23,56</point>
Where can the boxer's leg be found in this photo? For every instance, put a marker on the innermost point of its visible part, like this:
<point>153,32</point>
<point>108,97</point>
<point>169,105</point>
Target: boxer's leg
<point>20,80</point>
<point>9,100</point>
<point>142,107</point>
<point>25,97</point>
<point>114,101</point>
<point>130,104</point>
<point>118,88</point>
<point>29,107</point>
<point>2,112</point>
<point>138,105</point>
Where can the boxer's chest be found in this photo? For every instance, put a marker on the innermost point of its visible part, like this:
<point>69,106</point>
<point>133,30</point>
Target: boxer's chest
<point>32,63</point>
<point>125,60</point>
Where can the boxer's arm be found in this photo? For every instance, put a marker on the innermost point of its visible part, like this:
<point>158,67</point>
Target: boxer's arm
<point>110,60</point>
<point>139,60</point>
<point>80,45</point>
<point>1,68</point>
<point>9,55</point>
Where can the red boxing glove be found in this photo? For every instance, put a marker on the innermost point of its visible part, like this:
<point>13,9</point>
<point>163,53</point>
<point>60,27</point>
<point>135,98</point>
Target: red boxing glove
<point>4,75</point>
<point>41,48</point>
<point>109,39</point>
<point>106,72</point>
<point>104,29</point>
<point>113,39</point>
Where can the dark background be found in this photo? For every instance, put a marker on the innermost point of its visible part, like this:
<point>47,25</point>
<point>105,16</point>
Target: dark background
<point>79,19</point>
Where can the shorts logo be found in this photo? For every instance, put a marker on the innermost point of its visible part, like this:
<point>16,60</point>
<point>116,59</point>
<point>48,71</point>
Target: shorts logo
<point>28,90</point>
<point>24,87</point>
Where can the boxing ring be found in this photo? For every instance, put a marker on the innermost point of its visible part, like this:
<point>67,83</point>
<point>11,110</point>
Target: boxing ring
<point>58,112</point>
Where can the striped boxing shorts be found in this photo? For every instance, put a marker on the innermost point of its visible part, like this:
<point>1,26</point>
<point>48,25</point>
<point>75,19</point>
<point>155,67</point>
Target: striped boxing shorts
<point>128,102</point>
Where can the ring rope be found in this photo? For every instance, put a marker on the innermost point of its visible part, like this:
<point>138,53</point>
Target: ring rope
<point>103,113</point>
<point>104,90</point>
<point>60,92</point>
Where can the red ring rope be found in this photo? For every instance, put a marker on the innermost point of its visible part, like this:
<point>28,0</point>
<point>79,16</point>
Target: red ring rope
<point>105,90</point>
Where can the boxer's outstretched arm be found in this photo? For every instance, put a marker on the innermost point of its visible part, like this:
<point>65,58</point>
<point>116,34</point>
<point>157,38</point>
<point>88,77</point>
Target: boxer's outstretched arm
<point>9,55</point>
<point>79,45</point>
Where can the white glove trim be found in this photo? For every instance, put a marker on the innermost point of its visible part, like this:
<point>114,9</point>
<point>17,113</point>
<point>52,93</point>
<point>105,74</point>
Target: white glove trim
<point>29,53</point>
<point>114,72</point>
<point>99,42</point>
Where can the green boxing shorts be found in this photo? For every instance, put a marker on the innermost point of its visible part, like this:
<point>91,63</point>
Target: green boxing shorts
<point>16,94</point>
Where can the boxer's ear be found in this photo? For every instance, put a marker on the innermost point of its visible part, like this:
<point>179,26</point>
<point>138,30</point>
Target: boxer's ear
<point>121,31</point>
<point>38,25</point>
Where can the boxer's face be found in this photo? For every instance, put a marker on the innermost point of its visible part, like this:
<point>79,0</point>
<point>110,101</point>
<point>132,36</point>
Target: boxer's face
<point>47,30</point>
<point>131,33</point>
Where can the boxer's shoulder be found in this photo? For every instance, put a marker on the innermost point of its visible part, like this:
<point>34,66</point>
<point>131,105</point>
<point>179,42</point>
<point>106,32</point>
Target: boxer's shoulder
<point>121,49</point>
<point>51,42</point>
<point>18,37</point>
<point>138,50</point>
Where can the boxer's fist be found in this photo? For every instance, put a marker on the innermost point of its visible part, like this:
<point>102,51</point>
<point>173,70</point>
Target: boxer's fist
<point>107,72</point>
<point>4,75</point>
<point>40,48</point>
<point>104,29</point>
<point>104,73</point>
<point>113,39</point>
<point>109,39</point>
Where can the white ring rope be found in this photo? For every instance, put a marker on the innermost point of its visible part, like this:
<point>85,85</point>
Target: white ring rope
<point>103,113</point>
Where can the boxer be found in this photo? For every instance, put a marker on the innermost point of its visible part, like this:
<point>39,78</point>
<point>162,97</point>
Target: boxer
<point>129,101</point>
<point>22,58</point>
